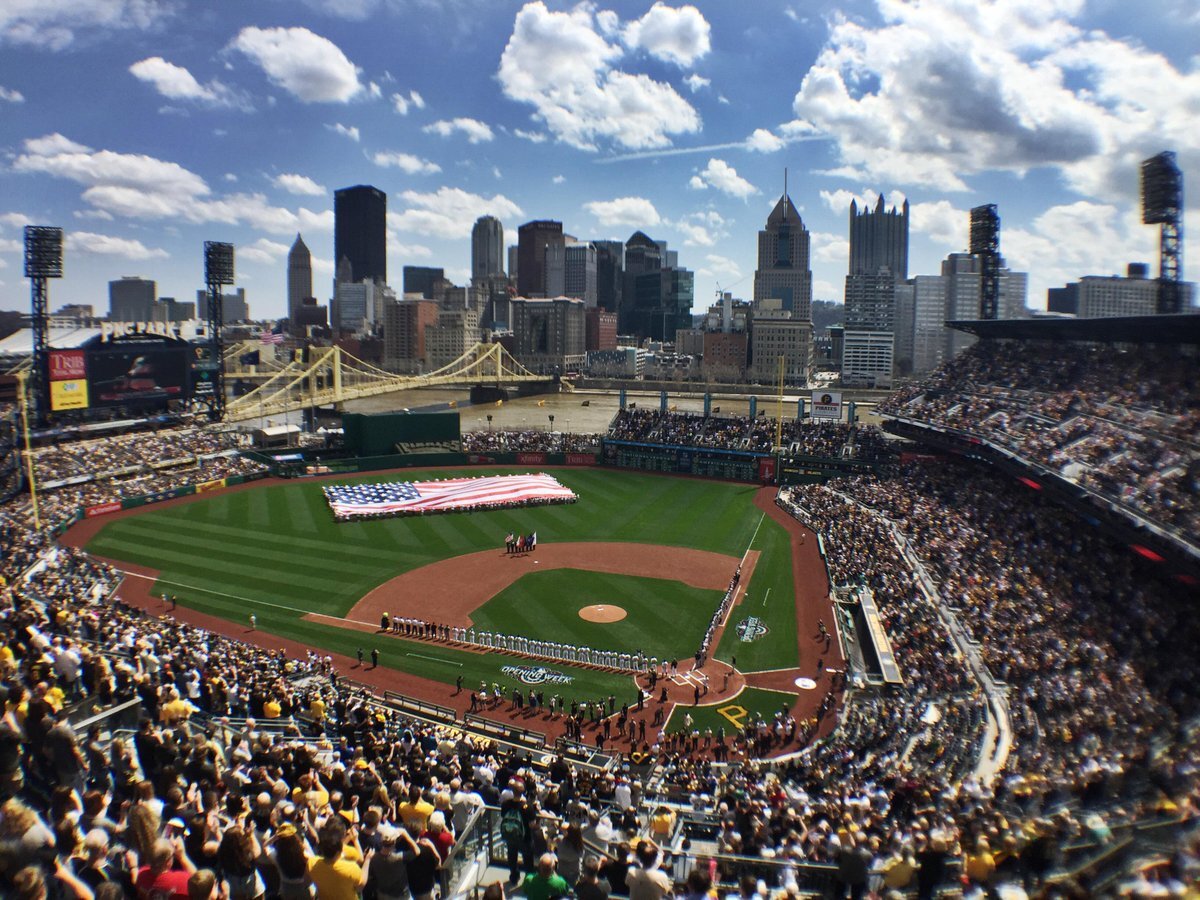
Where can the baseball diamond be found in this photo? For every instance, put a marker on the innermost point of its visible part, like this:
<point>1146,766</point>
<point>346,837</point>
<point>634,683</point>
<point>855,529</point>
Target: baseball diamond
<point>621,584</point>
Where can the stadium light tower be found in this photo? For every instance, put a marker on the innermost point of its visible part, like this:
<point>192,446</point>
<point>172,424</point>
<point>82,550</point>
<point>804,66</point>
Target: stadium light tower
<point>43,261</point>
<point>218,272</point>
<point>985,244</point>
<point>1162,204</point>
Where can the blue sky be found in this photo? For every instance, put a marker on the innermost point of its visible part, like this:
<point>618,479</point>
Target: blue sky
<point>144,127</point>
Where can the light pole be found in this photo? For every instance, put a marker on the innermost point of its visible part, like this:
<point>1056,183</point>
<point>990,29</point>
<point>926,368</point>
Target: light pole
<point>551,435</point>
<point>489,417</point>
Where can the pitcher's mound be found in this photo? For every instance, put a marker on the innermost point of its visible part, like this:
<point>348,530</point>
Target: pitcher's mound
<point>602,613</point>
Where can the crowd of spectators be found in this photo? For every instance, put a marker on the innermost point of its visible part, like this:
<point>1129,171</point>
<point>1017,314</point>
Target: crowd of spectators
<point>1103,686</point>
<point>530,441</point>
<point>72,476</point>
<point>757,435</point>
<point>1122,423</point>
<point>267,775</point>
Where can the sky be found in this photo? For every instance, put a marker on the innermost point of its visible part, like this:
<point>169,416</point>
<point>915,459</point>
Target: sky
<point>145,127</point>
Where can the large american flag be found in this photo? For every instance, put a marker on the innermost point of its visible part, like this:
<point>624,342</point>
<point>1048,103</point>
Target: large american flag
<point>400,497</point>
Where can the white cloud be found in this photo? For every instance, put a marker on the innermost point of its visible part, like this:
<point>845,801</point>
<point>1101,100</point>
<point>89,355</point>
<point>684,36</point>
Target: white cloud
<point>107,245</point>
<point>636,212</point>
<point>942,222</point>
<point>701,229</point>
<point>559,64</point>
<point>717,266</point>
<point>263,251</point>
<point>310,67</point>
<point>298,184</point>
<point>406,162</point>
<point>177,83</point>
<point>99,215</point>
<point>942,90</point>
<point>477,132</point>
<point>396,247</point>
<point>11,95</point>
<point>52,144</point>
<point>534,137</point>
<point>350,131</point>
<point>829,248</point>
<point>143,187</point>
<point>448,212</point>
<point>374,90</point>
<point>54,25</point>
<point>696,82</point>
<point>559,179</point>
<point>764,141</point>
<point>679,36</point>
<point>724,177</point>
<point>403,104</point>
<point>15,220</point>
<point>1072,239</point>
<point>8,245</point>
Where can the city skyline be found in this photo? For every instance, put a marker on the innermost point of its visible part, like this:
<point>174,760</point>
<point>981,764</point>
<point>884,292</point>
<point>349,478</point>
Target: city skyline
<point>145,128</point>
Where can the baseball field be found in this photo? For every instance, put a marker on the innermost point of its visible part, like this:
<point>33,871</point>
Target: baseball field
<point>661,550</point>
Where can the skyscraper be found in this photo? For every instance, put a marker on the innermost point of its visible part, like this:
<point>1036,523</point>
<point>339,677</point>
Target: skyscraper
<point>532,240</point>
<point>299,277</point>
<point>879,240</point>
<point>487,248</point>
<point>132,299</point>
<point>783,271</point>
<point>360,231</point>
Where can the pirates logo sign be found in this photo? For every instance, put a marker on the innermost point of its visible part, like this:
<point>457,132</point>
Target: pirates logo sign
<point>751,629</point>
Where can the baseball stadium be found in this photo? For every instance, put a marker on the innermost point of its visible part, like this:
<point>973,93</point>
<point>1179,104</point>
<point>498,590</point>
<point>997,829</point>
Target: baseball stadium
<point>945,630</point>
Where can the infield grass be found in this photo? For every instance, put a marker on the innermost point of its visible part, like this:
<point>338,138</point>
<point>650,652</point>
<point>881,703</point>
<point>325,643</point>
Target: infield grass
<point>734,713</point>
<point>276,551</point>
<point>664,619</point>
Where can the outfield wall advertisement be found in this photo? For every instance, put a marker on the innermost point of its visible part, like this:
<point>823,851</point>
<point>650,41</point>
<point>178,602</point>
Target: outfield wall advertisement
<point>102,509</point>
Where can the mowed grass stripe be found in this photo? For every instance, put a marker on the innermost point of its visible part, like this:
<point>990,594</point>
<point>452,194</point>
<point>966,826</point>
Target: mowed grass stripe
<point>239,534</point>
<point>245,546</point>
<point>278,544</point>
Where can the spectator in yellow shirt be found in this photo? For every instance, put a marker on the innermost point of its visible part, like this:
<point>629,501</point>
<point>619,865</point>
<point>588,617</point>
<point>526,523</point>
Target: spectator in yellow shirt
<point>335,877</point>
<point>415,810</point>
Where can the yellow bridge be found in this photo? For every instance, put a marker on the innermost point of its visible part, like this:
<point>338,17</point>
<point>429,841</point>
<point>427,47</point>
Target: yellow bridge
<point>333,376</point>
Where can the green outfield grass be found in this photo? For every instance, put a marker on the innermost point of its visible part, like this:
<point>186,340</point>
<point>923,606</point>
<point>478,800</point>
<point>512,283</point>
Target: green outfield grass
<point>665,618</point>
<point>737,711</point>
<point>277,551</point>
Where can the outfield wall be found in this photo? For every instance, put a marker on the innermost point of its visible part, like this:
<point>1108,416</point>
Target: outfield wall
<point>314,465</point>
<point>203,487</point>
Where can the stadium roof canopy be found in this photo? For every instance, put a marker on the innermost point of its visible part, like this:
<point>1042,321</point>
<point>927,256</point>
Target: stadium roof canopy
<point>1174,329</point>
<point>20,343</point>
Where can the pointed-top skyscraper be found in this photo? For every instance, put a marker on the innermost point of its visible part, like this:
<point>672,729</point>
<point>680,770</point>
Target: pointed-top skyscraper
<point>783,271</point>
<point>299,277</point>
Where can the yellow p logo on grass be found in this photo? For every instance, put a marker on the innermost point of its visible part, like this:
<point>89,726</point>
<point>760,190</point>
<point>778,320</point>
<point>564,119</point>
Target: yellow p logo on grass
<point>735,714</point>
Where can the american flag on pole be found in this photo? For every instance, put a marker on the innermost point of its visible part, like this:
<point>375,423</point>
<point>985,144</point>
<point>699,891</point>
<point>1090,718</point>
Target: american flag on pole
<point>398,498</point>
<point>274,336</point>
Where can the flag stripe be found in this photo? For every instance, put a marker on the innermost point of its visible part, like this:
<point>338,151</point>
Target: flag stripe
<point>353,500</point>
